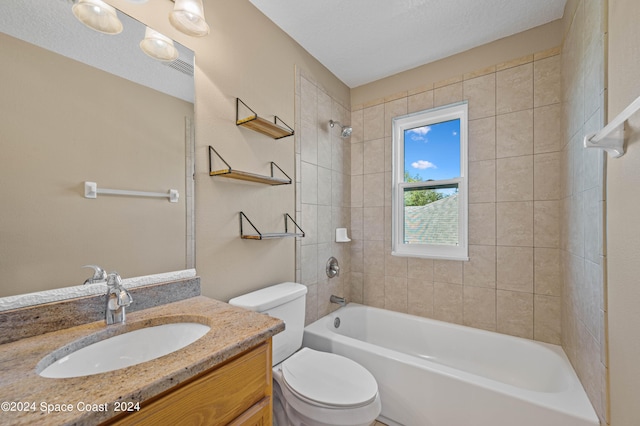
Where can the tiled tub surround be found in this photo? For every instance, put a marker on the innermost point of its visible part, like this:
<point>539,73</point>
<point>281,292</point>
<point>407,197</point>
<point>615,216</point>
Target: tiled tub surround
<point>322,194</point>
<point>582,209</point>
<point>512,282</point>
<point>233,330</point>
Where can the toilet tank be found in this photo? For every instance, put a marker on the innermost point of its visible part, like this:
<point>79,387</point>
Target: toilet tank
<point>285,301</point>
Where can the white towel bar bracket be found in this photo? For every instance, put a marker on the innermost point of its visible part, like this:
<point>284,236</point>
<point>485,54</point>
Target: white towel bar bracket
<point>613,143</point>
<point>611,137</point>
<point>91,190</point>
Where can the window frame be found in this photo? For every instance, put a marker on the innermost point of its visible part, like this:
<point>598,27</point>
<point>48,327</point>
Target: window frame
<point>427,117</point>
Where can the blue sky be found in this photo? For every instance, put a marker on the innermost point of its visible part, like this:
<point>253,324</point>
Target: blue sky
<point>433,152</point>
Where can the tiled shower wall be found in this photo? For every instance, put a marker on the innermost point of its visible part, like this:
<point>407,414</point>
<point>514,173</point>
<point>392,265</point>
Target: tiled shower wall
<point>582,212</point>
<point>512,282</point>
<point>323,189</point>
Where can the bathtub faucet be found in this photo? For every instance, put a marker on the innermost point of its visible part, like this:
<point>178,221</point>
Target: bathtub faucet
<point>339,300</point>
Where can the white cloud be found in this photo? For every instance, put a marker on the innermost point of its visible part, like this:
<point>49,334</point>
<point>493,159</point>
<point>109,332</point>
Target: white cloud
<point>423,164</point>
<point>419,133</point>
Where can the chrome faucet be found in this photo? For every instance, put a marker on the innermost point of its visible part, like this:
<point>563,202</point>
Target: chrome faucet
<point>339,300</point>
<point>99,275</point>
<point>118,298</point>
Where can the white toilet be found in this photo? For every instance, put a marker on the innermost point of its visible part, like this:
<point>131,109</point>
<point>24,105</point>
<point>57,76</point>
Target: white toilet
<point>311,388</point>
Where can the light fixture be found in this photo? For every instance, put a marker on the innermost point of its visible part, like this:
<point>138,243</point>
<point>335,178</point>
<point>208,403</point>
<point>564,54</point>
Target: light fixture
<point>188,17</point>
<point>98,16</point>
<point>158,46</point>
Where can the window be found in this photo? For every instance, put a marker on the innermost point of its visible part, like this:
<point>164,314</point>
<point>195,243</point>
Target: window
<point>430,183</point>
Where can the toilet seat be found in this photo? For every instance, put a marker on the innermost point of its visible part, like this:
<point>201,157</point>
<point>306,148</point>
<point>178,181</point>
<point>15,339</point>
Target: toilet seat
<point>328,380</point>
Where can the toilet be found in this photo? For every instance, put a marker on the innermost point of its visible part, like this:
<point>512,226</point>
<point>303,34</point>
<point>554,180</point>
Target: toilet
<point>311,388</point>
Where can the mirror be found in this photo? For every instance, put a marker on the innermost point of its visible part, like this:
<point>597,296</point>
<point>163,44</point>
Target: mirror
<point>77,105</point>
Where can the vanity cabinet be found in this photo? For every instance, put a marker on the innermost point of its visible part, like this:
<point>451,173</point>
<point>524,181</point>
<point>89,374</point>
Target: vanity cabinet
<point>237,392</point>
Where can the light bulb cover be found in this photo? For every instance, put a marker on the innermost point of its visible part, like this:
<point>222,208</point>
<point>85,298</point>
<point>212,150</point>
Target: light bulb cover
<point>98,16</point>
<point>158,46</point>
<point>188,17</point>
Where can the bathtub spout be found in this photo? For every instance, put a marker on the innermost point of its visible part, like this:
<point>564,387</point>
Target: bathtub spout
<point>339,300</point>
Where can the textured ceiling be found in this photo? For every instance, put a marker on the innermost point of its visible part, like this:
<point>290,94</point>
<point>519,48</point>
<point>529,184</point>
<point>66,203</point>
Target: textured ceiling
<point>365,40</point>
<point>50,24</point>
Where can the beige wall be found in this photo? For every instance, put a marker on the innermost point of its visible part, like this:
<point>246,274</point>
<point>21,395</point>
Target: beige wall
<point>63,123</point>
<point>527,42</point>
<point>511,284</point>
<point>323,186</point>
<point>623,211</point>
<point>244,56</point>
<point>582,242</point>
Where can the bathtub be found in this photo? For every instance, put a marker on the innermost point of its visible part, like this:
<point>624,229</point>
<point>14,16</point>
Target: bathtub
<point>433,373</point>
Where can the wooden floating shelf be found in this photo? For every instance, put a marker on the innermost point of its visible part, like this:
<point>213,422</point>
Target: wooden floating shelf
<point>246,176</point>
<point>270,235</point>
<point>261,125</point>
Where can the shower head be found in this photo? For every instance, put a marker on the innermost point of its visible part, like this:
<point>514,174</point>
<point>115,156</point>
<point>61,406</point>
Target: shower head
<point>345,131</point>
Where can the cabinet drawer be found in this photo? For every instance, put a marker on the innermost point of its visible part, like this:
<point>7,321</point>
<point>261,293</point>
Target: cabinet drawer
<point>215,398</point>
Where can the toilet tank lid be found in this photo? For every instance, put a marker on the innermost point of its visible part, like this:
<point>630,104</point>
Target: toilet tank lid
<point>269,297</point>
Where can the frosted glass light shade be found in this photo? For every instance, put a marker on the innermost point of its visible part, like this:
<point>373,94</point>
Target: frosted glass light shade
<point>98,16</point>
<point>188,17</point>
<point>158,46</point>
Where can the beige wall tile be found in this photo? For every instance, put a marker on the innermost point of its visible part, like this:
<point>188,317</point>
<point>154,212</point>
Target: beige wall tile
<point>514,178</point>
<point>373,258</point>
<point>357,190</point>
<point>547,279</point>
<point>447,94</point>
<point>311,304</point>
<point>546,53</point>
<point>373,223</point>
<point>373,186</point>
<point>514,89</point>
<point>373,155</point>
<point>547,176</point>
<point>395,266</point>
<point>514,224</point>
<point>356,287</point>
<point>546,224</point>
<point>373,122</point>
<point>357,158</point>
<point>482,224</point>
<point>420,101</point>
<point>420,269</point>
<point>447,82</point>
<point>480,92</point>
<point>480,72</point>
<point>480,270</point>
<point>448,302</point>
<point>479,307</point>
<point>482,181</point>
<point>420,297</point>
<point>482,139</point>
<point>357,124</point>
<point>374,290</point>
<point>515,269</point>
<point>395,293</point>
<point>547,319</point>
<point>547,129</point>
<point>447,271</point>
<point>546,81</point>
<point>357,255</point>
<point>515,313</point>
<point>514,134</point>
<point>514,62</point>
<point>393,109</point>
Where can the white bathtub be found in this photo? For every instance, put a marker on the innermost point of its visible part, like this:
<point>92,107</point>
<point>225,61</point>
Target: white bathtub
<point>432,373</point>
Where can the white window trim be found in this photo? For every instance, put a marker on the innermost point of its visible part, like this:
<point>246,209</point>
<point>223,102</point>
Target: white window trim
<point>411,121</point>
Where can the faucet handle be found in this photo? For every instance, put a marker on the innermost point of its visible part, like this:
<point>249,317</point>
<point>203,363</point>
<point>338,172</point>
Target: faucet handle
<point>114,279</point>
<point>99,274</point>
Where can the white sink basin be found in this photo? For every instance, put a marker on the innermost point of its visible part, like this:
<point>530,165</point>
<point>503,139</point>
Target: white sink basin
<point>125,350</point>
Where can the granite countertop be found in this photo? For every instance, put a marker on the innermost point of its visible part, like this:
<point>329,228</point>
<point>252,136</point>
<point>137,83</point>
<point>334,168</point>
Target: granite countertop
<point>30,397</point>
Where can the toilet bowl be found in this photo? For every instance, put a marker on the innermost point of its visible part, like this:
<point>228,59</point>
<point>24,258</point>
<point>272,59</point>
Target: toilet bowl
<point>311,388</point>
